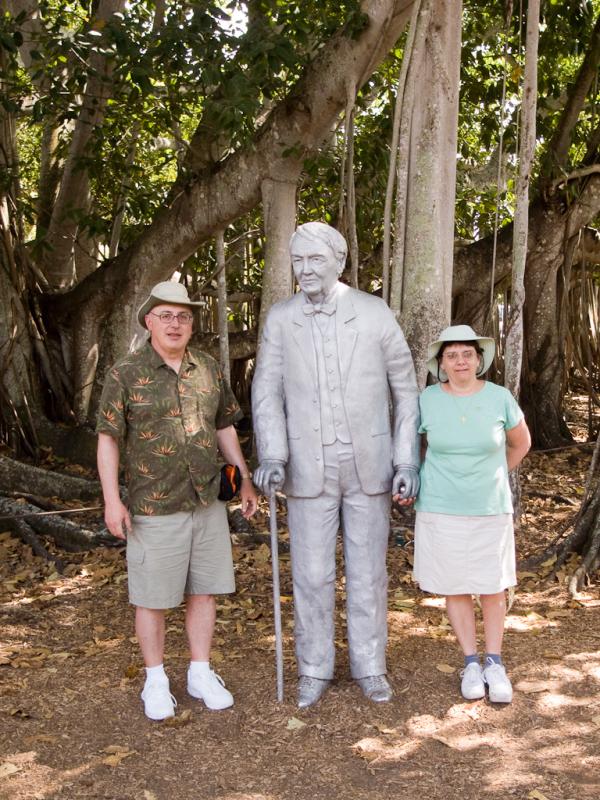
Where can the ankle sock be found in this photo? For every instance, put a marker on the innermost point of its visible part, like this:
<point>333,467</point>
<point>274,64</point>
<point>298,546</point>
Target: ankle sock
<point>474,659</point>
<point>199,668</point>
<point>493,658</point>
<point>156,672</point>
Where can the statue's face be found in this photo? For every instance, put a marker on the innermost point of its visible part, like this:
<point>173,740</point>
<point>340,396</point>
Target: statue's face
<point>315,266</point>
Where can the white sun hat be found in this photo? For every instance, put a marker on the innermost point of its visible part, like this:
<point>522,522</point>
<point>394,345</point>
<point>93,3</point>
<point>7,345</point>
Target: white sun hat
<point>459,333</point>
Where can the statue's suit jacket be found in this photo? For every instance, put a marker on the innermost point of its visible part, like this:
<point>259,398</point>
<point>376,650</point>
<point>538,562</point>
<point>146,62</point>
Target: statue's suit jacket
<point>378,385</point>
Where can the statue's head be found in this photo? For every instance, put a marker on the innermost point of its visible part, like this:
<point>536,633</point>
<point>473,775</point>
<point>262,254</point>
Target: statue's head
<point>318,254</point>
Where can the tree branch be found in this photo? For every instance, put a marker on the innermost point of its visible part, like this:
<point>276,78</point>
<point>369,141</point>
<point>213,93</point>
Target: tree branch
<point>558,149</point>
<point>293,131</point>
<point>73,193</point>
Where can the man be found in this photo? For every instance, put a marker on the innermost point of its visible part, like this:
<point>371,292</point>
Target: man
<point>169,410</point>
<point>330,361</point>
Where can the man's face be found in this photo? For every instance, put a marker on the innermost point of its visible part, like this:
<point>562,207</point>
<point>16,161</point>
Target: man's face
<point>170,336</point>
<point>315,266</point>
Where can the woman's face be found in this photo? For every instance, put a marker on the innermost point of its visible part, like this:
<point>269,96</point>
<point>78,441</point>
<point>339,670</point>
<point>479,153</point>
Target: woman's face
<point>460,362</point>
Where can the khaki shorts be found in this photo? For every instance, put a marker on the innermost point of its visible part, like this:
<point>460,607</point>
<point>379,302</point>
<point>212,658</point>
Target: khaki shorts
<point>176,554</point>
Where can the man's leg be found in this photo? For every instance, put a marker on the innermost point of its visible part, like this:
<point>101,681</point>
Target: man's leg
<point>210,573</point>
<point>200,616</point>
<point>150,632</point>
<point>157,556</point>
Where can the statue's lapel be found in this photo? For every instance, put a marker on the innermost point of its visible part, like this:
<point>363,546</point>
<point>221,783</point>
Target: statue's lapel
<point>346,333</point>
<point>302,333</point>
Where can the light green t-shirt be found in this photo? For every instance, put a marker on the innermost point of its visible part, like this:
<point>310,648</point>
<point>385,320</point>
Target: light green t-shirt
<point>465,469</point>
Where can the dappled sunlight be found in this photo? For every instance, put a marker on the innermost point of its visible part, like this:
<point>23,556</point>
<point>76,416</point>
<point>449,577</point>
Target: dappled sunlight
<point>31,779</point>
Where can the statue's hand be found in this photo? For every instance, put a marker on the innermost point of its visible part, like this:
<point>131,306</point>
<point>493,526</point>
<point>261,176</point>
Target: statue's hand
<point>269,475</point>
<point>405,486</point>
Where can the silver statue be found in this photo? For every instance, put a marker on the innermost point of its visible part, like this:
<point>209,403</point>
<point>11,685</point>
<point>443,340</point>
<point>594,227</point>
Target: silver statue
<point>335,414</point>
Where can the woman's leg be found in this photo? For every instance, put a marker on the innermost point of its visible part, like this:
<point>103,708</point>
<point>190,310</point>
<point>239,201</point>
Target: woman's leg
<point>493,607</point>
<point>459,608</point>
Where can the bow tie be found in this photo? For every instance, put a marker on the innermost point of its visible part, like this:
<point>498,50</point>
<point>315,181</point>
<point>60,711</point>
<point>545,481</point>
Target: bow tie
<point>318,308</point>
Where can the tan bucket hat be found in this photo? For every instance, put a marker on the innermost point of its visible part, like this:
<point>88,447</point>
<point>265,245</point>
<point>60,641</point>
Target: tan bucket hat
<point>459,333</point>
<point>166,292</point>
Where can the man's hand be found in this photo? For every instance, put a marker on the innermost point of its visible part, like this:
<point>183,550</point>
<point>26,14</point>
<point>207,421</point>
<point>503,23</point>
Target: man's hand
<point>117,518</point>
<point>248,498</point>
<point>269,475</point>
<point>405,486</point>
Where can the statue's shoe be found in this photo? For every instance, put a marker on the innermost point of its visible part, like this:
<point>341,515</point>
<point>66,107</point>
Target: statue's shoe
<point>310,690</point>
<point>376,688</point>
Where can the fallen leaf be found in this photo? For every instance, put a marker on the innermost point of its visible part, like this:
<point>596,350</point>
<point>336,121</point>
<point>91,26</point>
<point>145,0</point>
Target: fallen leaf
<point>262,554</point>
<point>132,671</point>
<point>20,713</point>
<point>117,755</point>
<point>41,737</point>
<point>443,741</point>
<point>534,687</point>
<point>148,795</point>
<point>295,724</point>
<point>445,668</point>
<point>8,768</point>
<point>384,730</point>
<point>180,720</point>
<point>535,794</point>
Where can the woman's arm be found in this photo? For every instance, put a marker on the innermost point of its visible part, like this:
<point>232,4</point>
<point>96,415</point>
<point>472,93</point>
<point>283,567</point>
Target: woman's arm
<point>518,442</point>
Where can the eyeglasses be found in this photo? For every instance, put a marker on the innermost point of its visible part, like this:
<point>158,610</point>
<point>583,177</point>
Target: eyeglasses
<point>466,355</point>
<point>167,317</point>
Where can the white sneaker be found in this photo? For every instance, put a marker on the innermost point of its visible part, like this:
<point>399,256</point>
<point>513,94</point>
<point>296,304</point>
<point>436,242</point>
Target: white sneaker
<point>499,686</point>
<point>159,703</point>
<point>211,689</point>
<point>472,686</point>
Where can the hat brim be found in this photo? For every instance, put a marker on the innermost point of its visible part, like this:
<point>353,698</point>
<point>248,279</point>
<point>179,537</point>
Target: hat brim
<point>487,345</point>
<point>154,301</point>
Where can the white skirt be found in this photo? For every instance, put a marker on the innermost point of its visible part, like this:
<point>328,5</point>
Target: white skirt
<point>464,555</point>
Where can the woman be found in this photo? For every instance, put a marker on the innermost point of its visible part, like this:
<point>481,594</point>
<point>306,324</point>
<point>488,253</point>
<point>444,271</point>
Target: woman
<point>474,433</point>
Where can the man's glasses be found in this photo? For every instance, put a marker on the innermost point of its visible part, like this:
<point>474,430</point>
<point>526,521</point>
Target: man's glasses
<point>466,355</point>
<point>167,317</point>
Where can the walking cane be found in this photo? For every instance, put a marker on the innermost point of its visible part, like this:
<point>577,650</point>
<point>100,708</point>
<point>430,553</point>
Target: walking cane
<point>276,592</point>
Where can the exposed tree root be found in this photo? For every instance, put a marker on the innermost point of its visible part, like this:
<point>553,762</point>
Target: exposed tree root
<point>15,476</point>
<point>241,527</point>
<point>29,536</point>
<point>590,559</point>
<point>65,533</point>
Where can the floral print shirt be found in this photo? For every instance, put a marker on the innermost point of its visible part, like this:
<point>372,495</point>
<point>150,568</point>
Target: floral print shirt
<point>166,424</point>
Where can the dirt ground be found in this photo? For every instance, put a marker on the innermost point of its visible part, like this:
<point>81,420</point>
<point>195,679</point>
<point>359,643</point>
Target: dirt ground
<point>72,725</point>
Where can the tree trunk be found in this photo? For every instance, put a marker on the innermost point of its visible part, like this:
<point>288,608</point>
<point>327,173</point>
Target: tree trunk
<point>279,213</point>
<point>222,307</point>
<point>514,335</point>
<point>422,295</point>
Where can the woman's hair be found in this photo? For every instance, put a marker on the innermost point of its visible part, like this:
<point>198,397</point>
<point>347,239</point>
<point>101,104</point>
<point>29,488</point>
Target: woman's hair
<point>475,344</point>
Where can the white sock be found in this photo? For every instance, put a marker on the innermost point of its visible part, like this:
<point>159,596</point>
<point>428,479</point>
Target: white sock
<point>155,672</point>
<point>199,668</point>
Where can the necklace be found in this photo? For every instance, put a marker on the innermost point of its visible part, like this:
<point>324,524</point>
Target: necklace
<point>465,408</point>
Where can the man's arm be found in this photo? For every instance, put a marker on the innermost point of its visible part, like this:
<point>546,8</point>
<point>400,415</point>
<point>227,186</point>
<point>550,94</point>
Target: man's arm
<point>229,445</point>
<point>116,515</point>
